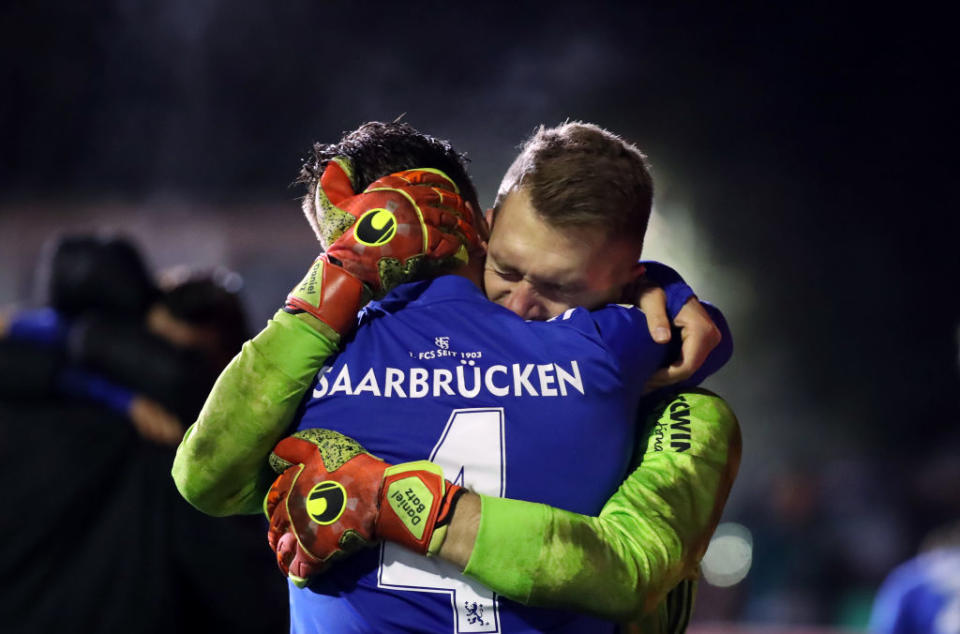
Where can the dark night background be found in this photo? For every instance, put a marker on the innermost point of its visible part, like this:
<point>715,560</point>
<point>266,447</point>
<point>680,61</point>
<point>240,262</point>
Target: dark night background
<point>806,171</point>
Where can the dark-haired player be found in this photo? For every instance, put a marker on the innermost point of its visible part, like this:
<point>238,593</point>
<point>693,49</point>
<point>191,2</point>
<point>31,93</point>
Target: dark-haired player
<point>510,407</point>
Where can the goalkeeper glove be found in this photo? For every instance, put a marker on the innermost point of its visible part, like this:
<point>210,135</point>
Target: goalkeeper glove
<point>403,225</point>
<point>333,498</point>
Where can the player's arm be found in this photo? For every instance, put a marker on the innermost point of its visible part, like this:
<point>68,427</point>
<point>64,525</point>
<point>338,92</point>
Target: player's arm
<point>221,465</point>
<point>649,536</point>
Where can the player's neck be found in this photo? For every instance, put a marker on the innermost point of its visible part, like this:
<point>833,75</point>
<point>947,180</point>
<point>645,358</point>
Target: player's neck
<point>472,271</point>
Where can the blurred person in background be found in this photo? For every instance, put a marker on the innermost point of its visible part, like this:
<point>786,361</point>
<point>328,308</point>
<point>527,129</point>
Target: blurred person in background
<point>104,316</point>
<point>922,595</point>
<point>95,387</point>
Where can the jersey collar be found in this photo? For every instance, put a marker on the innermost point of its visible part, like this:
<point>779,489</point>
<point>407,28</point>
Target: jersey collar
<point>426,292</point>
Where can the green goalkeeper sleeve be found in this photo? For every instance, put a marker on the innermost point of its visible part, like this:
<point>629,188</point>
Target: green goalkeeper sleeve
<point>221,465</point>
<point>648,538</point>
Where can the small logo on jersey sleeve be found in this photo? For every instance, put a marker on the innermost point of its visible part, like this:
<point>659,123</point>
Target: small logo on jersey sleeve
<point>326,502</point>
<point>675,421</point>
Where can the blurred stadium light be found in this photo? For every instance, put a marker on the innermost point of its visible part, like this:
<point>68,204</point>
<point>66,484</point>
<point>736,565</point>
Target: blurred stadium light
<point>729,555</point>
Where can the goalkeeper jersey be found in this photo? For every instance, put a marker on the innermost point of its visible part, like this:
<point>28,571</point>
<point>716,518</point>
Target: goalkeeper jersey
<point>538,411</point>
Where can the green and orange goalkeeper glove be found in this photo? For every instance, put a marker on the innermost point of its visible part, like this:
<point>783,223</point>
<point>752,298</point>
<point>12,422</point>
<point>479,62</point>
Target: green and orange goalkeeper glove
<point>403,226</point>
<point>333,498</point>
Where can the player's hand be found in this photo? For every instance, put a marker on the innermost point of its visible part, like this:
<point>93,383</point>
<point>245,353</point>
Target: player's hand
<point>402,223</point>
<point>333,498</point>
<point>652,300</point>
<point>403,226</point>
<point>699,337</point>
<point>154,423</point>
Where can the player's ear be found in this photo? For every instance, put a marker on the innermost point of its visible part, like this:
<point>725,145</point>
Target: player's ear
<point>633,283</point>
<point>636,271</point>
<point>488,216</point>
<point>481,225</point>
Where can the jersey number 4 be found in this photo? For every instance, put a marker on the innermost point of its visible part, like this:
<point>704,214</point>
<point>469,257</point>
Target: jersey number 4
<point>472,453</point>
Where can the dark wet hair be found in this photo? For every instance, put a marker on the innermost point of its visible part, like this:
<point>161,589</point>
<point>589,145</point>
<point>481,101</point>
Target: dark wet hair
<point>377,149</point>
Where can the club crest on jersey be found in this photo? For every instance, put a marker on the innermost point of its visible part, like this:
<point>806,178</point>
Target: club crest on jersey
<point>326,502</point>
<point>376,227</point>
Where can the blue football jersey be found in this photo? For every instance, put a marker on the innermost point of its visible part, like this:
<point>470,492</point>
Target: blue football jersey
<point>538,411</point>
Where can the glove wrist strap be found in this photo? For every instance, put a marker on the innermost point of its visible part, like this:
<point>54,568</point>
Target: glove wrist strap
<point>330,294</point>
<point>415,502</point>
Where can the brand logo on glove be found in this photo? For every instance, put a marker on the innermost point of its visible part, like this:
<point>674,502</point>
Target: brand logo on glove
<point>375,228</point>
<point>326,502</point>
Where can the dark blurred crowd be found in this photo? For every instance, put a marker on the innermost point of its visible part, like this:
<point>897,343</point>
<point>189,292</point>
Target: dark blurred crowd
<point>98,382</point>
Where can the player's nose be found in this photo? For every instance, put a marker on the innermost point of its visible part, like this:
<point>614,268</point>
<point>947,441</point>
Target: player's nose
<point>524,301</point>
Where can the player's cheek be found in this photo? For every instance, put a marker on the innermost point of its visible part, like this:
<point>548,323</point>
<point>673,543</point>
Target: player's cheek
<point>495,288</point>
<point>552,308</point>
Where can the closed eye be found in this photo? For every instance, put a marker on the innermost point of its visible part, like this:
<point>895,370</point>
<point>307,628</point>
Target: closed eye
<point>508,275</point>
<point>558,291</point>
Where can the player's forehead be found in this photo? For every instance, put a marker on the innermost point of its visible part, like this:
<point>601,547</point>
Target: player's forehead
<point>538,261</point>
<point>526,243</point>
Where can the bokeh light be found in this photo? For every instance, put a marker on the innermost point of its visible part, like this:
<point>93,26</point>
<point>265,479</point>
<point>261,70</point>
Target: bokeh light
<point>729,555</point>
